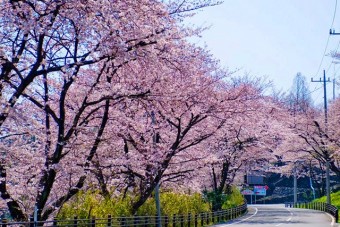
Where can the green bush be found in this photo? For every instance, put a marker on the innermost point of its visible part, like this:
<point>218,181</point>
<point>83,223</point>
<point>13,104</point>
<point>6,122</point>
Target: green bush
<point>224,201</point>
<point>335,197</point>
<point>91,203</point>
<point>234,199</point>
<point>175,203</point>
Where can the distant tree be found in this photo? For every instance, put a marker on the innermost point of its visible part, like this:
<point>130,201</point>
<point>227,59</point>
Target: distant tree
<point>299,98</point>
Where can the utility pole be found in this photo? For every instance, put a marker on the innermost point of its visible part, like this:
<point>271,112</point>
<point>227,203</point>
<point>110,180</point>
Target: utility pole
<point>334,85</point>
<point>334,88</point>
<point>324,81</point>
<point>295,185</point>
<point>332,32</point>
<point>158,203</point>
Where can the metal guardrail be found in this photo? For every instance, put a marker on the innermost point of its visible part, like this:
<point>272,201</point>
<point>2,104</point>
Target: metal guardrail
<point>189,220</point>
<point>332,210</point>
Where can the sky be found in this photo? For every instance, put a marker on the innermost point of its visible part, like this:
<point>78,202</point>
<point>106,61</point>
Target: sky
<point>275,39</point>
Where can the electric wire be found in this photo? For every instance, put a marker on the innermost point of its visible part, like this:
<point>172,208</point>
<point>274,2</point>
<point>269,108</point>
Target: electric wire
<point>336,50</point>
<point>318,96</point>
<point>326,47</point>
<point>315,89</point>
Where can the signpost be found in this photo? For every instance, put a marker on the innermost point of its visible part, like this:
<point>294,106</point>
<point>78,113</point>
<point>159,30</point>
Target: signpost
<point>260,190</point>
<point>255,190</point>
<point>247,192</point>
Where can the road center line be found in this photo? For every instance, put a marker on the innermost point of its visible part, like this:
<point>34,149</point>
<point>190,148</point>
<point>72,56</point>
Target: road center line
<point>242,220</point>
<point>291,214</point>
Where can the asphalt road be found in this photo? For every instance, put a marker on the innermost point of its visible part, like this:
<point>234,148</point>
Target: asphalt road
<point>278,215</point>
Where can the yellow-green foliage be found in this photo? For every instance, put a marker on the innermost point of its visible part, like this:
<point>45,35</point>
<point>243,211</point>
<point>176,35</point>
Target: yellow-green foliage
<point>175,203</point>
<point>335,199</point>
<point>88,204</point>
<point>234,199</point>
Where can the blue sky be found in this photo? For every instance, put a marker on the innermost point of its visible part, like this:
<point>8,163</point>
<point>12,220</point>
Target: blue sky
<point>273,38</point>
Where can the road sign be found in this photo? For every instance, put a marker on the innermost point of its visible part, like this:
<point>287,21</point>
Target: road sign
<point>261,187</point>
<point>260,191</point>
<point>247,192</point>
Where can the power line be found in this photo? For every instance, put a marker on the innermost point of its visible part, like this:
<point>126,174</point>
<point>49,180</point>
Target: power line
<point>315,89</point>
<point>336,50</point>
<point>336,4</point>
<point>337,70</point>
<point>318,96</point>
<point>326,47</point>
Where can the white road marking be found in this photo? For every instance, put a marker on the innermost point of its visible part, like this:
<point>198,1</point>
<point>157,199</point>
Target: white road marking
<point>333,219</point>
<point>242,219</point>
<point>289,219</point>
<point>291,214</point>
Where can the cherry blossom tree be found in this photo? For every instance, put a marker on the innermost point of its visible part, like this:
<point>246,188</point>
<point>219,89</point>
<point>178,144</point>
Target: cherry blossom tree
<point>180,112</point>
<point>320,138</point>
<point>63,61</point>
<point>311,144</point>
<point>249,137</point>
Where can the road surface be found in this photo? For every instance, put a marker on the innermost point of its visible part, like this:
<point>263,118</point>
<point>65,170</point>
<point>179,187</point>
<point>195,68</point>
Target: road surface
<point>278,215</point>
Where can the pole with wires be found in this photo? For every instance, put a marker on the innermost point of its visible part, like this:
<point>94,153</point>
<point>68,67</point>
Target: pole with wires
<point>324,81</point>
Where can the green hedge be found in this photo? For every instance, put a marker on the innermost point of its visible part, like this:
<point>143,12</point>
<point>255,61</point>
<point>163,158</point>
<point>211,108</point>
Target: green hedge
<point>335,199</point>
<point>234,199</point>
<point>88,204</point>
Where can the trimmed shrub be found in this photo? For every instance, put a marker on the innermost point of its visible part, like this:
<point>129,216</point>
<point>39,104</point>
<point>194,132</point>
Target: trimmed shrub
<point>91,203</point>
